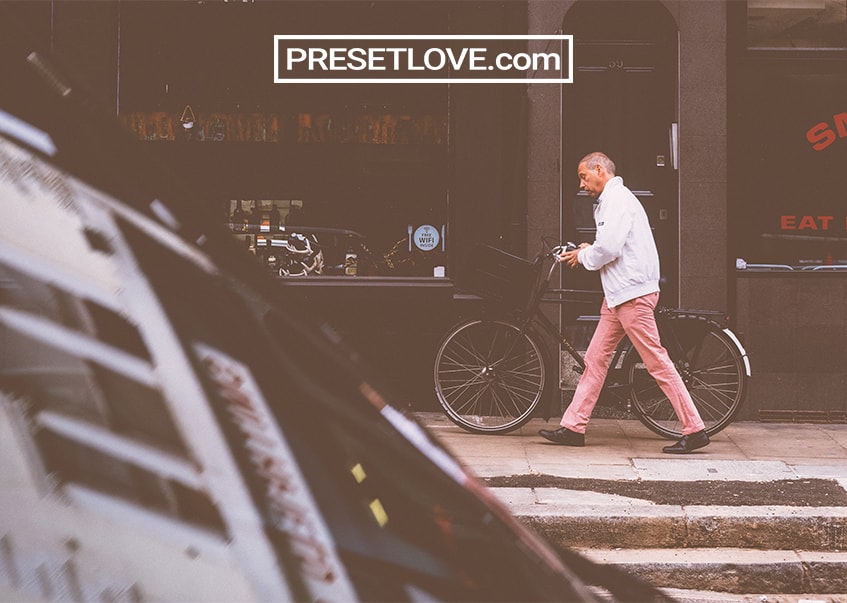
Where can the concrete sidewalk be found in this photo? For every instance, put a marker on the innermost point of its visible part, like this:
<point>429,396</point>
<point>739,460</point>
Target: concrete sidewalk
<point>743,547</point>
<point>620,449</point>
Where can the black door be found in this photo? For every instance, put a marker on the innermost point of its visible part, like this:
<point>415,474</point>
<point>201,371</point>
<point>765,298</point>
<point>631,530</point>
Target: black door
<point>623,102</point>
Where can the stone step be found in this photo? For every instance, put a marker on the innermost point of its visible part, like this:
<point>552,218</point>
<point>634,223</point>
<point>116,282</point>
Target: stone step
<point>574,518</point>
<point>704,596</point>
<point>732,570</point>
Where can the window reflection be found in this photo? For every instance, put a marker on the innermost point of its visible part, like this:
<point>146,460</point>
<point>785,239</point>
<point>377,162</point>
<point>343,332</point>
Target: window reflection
<point>797,24</point>
<point>291,238</point>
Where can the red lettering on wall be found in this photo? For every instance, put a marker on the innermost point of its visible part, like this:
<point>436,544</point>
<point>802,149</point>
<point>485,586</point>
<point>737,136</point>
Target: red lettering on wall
<point>805,223</point>
<point>821,135</point>
<point>841,124</point>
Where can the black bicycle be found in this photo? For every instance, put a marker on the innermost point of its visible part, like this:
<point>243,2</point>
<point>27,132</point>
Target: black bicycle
<point>491,371</point>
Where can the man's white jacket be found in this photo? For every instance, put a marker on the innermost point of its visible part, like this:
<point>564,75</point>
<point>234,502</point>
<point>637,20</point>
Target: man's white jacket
<point>624,250</point>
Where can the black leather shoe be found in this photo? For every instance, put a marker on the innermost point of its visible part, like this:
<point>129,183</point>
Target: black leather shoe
<point>688,443</point>
<point>563,436</point>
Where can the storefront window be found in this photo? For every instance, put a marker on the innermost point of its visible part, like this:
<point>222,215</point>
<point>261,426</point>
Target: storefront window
<point>788,134</point>
<point>360,170</point>
<point>796,24</point>
<point>790,166</point>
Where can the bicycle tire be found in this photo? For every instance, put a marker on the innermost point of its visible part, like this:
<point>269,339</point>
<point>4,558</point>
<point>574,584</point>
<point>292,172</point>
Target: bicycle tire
<point>489,376</point>
<point>713,369</point>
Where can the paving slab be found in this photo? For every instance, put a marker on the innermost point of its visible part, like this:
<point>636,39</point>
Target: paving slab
<point>559,499</point>
<point>698,468</point>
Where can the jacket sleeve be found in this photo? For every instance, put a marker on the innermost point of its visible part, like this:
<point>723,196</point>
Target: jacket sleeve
<point>612,233</point>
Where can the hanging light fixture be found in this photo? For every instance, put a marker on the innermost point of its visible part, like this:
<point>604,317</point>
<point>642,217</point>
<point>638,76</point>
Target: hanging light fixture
<point>187,119</point>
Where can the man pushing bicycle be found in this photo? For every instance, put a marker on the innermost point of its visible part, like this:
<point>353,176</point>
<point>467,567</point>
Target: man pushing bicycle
<point>625,254</point>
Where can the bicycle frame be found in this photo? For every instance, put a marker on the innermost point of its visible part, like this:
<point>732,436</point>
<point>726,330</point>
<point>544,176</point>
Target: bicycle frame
<point>531,315</point>
<point>491,371</point>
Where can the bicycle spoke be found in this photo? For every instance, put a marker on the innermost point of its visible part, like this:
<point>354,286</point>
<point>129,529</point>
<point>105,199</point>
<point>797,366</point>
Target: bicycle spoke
<point>504,404</point>
<point>489,376</point>
<point>658,407</point>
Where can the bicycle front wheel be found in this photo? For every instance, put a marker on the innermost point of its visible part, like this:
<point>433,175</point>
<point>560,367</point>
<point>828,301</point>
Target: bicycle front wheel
<point>489,376</point>
<point>712,368</point>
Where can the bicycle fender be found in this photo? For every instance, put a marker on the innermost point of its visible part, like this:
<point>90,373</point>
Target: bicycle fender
<point>741,350</point>
<point>710,317</point>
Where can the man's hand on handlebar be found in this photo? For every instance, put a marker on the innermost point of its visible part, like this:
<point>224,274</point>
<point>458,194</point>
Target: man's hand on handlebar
<point>570,254</point>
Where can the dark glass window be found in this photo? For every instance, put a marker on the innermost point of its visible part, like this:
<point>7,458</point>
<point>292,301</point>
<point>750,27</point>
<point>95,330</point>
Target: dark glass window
<point>788,116</point>
<point>362,158</point>
<point>793,148</point>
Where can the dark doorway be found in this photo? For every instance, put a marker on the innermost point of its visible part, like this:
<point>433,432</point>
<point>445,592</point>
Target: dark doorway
<point>623,102</point>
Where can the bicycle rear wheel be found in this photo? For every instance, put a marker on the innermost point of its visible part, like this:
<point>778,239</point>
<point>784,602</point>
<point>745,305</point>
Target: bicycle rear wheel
<point>489,376</point>
<point>712,367</point>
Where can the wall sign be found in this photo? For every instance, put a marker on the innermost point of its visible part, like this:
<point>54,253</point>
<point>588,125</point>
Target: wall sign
<point>813,222</point>
<point>426,237</point>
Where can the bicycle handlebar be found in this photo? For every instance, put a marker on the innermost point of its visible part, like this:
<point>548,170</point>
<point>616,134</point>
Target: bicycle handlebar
<point>558,250</point>
<point>556,253</point>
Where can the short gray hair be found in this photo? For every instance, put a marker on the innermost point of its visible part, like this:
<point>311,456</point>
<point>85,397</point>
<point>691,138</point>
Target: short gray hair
<point>592,160</point>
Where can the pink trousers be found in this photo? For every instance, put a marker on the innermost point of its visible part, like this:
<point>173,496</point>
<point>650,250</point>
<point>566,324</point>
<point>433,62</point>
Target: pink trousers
<point>635,319</point>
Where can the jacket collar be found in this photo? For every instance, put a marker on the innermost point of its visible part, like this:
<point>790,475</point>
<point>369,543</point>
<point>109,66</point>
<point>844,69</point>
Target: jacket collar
<point>612,184</point>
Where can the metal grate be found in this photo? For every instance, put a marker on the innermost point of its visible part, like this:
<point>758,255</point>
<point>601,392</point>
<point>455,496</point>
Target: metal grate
<point>802,416</point>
